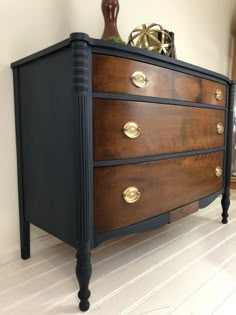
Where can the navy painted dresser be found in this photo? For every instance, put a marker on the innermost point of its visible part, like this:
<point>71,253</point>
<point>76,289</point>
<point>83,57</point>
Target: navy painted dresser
<point>113,140</point>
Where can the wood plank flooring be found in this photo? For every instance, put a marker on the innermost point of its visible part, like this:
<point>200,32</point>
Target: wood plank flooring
<point>184,268</point>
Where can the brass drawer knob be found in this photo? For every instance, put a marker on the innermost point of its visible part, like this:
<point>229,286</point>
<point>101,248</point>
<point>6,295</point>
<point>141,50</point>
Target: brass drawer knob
<point>218,95</point>
<point>219,171</point>
<point>131,129</point>
<point>139,79</point>
<point>220,128</point>
<point>131,194</point>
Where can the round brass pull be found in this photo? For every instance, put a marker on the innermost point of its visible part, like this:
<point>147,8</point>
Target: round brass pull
<point>131,129</point>
<point>220,128</point>
<point>139,79</point>
<point>218,95</point>
<point>131,194</point>
<point>219,171</point>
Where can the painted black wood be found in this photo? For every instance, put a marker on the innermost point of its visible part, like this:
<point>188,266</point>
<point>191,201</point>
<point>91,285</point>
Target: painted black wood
<point>225,202</point>
<point>83,272</point>
<point>149,99</point>
<point>206,201</point>
<point>47,146</point>
<point>126,51</point>
<point>154,157</point>
<point>146,225</point>
<point>42,53</point>
<point>81,57</point>
<point>228,98</point>
<point>24,224</point>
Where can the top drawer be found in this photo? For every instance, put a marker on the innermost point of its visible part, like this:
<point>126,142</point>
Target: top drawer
<point>117,75</point>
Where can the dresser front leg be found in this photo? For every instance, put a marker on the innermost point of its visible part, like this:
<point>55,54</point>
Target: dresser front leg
<point>83,273</point>
<point>225,202</point>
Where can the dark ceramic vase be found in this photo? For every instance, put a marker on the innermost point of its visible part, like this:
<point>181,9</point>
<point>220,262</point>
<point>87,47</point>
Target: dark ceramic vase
<point>110,10</point>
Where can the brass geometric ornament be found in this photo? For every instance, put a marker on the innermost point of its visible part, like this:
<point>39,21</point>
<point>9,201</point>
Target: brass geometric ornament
<point>154,37</point>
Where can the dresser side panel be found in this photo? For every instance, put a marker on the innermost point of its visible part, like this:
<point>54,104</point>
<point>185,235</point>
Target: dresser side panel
<point>46,113</point>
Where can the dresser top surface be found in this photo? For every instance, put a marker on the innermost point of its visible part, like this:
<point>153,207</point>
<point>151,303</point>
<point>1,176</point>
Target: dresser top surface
<point>123,50</point>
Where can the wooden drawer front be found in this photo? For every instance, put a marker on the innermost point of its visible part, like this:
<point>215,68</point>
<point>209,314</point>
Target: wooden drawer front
<point>113,74</point>
<point>164,129</point>
<point>164,185</point>
<point>184,211</point>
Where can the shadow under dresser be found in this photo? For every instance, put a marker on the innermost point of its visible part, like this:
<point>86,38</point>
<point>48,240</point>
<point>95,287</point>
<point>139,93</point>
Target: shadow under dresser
<point>113,140</point>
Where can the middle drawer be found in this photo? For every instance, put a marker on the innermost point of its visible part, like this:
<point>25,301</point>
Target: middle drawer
<point>126,129</point>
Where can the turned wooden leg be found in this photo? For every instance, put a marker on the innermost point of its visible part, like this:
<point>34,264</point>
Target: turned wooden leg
<point>83,273</point>
<point>25,238</point>
<point>225,202</point>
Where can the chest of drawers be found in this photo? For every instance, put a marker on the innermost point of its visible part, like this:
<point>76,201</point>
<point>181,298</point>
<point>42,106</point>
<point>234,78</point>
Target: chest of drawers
<point>113,140</point>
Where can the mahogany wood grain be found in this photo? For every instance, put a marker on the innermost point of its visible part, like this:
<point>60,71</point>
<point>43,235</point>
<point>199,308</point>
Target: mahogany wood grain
<point>164,129</point>
<point>112,74</point>
<point>164,185</point>
<point>181,212</point>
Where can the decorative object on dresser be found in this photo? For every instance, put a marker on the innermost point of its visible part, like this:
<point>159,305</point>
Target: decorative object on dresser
<point>110,10</point>
<point>112,140</point>
<point>154,37</point>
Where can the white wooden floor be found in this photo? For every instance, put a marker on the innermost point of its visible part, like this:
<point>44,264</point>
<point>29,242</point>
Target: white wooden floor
<point>187,267</point>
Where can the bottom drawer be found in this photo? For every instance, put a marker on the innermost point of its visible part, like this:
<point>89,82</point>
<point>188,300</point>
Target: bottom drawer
<point>153,188</point>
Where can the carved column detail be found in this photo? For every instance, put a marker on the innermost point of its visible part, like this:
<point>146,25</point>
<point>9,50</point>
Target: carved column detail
<point>81,62</point>
<point>225,202</point>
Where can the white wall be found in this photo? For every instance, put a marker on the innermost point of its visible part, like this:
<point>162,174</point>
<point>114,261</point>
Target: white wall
<point>202,32</point>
